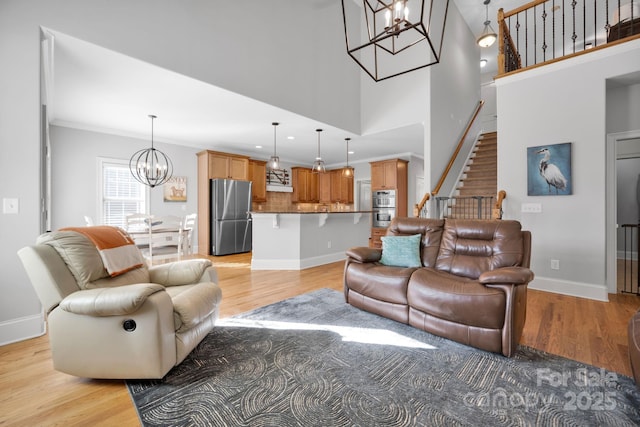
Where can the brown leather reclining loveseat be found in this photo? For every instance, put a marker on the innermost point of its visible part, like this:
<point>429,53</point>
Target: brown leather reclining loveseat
<point>471,286</point>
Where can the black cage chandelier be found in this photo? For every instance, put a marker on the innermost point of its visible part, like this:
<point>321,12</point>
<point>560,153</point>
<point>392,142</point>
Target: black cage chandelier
<point>388,38</point>
<point>151,166</point>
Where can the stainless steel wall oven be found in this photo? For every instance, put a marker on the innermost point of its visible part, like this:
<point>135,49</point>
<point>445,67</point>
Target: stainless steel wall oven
<point>384,207</point>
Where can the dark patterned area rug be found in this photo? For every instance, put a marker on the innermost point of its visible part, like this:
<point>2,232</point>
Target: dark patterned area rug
<point>314,360</point>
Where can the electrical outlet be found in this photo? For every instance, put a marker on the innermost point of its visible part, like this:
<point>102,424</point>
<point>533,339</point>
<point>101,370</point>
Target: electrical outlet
<point>531,208</point>
<point>555,264</point>
<point>10,206</point>
<point>329,244</point>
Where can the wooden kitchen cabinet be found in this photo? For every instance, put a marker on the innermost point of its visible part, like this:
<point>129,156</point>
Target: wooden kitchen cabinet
<point>212,165</point>
<point>258,177</point>
<point>376,233</point>
<point>341,187</point>
<point>305,185</point>
<point>312,187</point>
<point>388,174</point>
<point>324,188</point>
<point>228,166</point>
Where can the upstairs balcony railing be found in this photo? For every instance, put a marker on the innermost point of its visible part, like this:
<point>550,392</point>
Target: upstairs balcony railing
<point>545,31</point>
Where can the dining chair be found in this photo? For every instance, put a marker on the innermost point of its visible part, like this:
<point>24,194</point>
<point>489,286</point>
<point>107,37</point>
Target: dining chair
<point>137,225</point>
<point>165,238</point>
<point>137,222</point>
<point>189,226</point>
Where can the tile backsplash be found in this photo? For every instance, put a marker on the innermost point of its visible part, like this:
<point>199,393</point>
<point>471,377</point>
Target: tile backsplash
<point>281,202</point>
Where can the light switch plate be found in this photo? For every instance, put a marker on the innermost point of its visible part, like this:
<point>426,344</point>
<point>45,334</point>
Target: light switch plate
<point>531,208</point>
<point>10,206</point>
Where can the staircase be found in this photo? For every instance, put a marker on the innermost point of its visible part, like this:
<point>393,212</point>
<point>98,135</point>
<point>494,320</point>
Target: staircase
<point>477,189</point>
<point>480,174</point>
<point>476,195</point>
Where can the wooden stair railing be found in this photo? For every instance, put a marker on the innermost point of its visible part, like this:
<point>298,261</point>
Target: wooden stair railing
<point>497,209</point>
<point>417,210</point>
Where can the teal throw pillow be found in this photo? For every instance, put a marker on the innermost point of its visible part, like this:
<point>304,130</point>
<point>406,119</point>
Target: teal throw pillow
<point>401,251</point>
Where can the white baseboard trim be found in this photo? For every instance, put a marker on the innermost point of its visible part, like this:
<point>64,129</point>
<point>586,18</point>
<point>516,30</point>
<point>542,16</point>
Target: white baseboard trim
<point>574,289</point>
<point>295,264</point>
<point>322,259</point>
<point>275,264</point>
<point>634,255</point>
<point>21,329</point>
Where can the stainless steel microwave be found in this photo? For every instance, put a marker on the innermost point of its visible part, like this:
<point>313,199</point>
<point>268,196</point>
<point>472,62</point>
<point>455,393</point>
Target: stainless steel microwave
<point>383,199</point>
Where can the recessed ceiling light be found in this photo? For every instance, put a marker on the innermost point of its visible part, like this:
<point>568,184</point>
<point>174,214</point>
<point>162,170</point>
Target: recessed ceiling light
<point>352,152</point>
<point>291,137</point>
<point>258,146</point>
<point>483,62</point>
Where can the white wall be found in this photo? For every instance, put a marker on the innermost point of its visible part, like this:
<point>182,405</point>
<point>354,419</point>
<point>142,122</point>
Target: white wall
<point>455,91</point>
<point>78,150</point>
<point>562,102</point>
<point>623,108</point>
<point>489,111</point>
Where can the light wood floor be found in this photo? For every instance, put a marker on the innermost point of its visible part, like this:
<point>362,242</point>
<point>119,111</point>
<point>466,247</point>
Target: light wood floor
<point>33,394</point>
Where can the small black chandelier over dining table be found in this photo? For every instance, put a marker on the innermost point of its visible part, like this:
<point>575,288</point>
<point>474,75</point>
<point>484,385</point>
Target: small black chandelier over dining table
<point>388,38</point>
<point>151,166</point>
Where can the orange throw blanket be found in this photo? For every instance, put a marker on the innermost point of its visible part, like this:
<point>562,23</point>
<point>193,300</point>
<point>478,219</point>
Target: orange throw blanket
<point>117,249</point>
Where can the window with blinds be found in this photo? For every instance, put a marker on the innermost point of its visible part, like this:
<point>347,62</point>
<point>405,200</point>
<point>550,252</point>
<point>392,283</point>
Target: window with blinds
<point>121,194</point>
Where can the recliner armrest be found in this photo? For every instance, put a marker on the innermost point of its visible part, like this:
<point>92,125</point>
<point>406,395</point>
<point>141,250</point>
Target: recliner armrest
<point>364,254</point>
<point>114,301</point>
<point>508,275</point>
<point>184,272</point>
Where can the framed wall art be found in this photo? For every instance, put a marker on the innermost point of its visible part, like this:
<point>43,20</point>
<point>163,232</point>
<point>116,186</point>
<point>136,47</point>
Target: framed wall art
<point>549,170</point>
<point>175,190</point>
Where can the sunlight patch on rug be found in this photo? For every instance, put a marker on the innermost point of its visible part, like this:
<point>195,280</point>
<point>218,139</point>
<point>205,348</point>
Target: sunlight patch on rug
<point>348,333</point>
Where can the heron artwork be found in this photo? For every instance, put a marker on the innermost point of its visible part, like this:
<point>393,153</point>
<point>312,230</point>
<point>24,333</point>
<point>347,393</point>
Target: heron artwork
<point>550,172</point>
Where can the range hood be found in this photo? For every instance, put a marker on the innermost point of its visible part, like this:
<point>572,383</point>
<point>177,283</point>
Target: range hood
<point>280,188</point>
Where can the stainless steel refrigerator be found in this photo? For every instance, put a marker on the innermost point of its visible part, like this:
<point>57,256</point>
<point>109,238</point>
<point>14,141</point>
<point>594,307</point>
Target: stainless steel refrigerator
<point>230,216</point>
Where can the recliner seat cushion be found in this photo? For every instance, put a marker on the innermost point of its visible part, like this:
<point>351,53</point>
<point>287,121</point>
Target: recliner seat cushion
<point>379,281</point>
<point>456,299</point>
<point>193,303</point>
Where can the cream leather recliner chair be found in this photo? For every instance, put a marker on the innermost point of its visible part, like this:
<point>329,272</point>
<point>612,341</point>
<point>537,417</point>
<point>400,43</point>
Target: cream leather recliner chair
<point>138,324</point>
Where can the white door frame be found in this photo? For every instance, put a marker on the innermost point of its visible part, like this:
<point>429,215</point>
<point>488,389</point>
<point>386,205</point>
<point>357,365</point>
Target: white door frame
<point>610,204</point>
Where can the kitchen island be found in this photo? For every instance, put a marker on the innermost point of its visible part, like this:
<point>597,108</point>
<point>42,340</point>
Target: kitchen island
<point>298,240</point>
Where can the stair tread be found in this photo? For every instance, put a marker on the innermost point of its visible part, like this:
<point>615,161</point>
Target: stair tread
<point>479,173</point>
<point>485,153</point>
<point>479,181</point>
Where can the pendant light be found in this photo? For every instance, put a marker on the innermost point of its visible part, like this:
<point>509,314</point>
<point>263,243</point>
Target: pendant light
<point>379,31</point>
<point>318,165</point>
<point>488,36</point>
<point>347,172</point>
<point>274,161</point>
<point>151,166</point>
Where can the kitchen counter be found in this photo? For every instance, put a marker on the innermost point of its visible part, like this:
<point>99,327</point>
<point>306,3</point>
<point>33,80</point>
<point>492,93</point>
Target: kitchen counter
<point>295,240</point>
<point>310,212</point>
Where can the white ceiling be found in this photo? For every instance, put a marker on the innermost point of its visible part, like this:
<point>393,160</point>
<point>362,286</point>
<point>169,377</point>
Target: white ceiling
<point>101,90</point>
<point>474,13</point>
